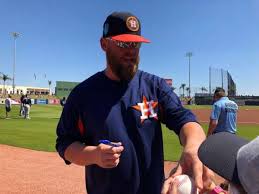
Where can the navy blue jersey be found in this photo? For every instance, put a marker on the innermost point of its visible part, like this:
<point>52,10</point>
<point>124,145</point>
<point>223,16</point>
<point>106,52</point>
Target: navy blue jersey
<point>127,112</point>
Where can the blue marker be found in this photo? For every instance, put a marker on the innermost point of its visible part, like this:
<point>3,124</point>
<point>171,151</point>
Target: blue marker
<point>107,142</point>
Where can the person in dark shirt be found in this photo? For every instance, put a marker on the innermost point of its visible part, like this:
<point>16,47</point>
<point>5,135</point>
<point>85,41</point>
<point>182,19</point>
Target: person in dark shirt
<point>111,123</point>
<point>27,107</point>
<point>22,105</point>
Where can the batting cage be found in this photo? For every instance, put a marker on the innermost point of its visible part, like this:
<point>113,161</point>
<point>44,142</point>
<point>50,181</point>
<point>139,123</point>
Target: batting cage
<point>221,78</point>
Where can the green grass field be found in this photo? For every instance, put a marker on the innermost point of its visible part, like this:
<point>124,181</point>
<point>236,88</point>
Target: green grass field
<point>39,133</point>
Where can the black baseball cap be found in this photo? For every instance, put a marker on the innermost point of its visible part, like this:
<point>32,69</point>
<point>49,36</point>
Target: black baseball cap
<point>234,158</point>
<point>123,26</point>
<point>219,153</point>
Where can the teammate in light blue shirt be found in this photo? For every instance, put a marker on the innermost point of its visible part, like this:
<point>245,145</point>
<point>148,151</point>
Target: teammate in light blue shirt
<point>224,114</point>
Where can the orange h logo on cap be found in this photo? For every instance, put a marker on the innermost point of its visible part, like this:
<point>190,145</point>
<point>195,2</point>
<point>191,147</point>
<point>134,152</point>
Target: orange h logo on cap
<point>132,23</point>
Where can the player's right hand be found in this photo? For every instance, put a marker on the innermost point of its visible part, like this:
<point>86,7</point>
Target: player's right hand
<point>108,156</point>
<point>170,186</point>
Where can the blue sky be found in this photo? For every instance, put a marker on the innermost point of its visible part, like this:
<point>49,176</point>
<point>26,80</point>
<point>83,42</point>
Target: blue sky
<point>60,38</point>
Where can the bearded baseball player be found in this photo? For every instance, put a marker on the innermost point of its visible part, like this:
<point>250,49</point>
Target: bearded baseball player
<point>111,123</point>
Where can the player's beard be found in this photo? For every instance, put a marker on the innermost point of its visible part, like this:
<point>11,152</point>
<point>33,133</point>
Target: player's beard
<point>124,71</point>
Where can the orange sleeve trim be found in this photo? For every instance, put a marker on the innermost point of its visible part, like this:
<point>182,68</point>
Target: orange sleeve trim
<point>81,126</point>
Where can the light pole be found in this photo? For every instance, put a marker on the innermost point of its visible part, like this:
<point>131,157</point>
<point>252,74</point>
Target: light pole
<point>189,55</point>
<point>15,36</point>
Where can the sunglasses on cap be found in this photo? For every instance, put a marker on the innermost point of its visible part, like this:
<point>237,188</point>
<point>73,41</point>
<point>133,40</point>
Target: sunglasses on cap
<point>121,44</point>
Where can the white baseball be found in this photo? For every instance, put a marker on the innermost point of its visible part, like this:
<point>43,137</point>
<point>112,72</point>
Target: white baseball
<point>185,184</point>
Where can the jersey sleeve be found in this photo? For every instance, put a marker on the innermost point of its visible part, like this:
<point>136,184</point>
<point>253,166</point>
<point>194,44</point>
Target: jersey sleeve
<point>69,128</point>
<point>171,111</point>
<point>215,112</point>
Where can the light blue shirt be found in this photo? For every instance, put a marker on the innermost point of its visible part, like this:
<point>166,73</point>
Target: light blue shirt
<point>225,112</point>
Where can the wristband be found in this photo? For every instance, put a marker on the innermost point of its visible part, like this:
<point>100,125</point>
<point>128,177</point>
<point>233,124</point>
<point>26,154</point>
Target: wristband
<point>217,190</point>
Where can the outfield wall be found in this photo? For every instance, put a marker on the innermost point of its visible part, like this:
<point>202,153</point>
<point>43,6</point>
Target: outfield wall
<point>240,100</point>
<point>34,101</point>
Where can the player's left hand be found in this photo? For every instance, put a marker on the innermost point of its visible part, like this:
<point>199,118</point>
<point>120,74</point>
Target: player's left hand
<point>190,164</point>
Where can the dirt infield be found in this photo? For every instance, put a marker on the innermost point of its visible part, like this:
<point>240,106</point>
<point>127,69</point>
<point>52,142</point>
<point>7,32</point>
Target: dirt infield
<point>34,172</point>
<point>243,117</point>
<point>27,171</point>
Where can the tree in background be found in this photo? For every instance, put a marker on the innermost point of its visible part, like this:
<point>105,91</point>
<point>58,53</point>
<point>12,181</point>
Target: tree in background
<point>203,89</point>
<point>49,82</point>
<point>182,87</point>
<point>187,90</point>
<point>4,77</point>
